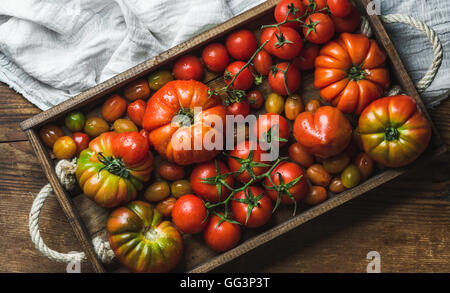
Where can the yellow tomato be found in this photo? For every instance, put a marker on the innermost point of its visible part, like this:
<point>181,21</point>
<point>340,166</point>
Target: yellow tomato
<point>274,104</point>
<point>65,148</point>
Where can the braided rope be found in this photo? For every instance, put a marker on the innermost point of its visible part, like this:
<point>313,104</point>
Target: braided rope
<point>65,171</point>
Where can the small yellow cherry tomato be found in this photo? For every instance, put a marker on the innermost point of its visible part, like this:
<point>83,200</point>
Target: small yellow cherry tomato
<point>65,148</point>
<point>124,125</point>
<point>274,104</point>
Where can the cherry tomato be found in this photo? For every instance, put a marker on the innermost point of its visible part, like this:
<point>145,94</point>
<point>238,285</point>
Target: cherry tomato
<point>95,126</point>
<point>312,106</point>
<point>350,176</point>
<point>171,171</point>
<point>188,67</point>
<point>252,207</point>
<point>284,79</point>
<point>272,128</point>
<point>339,8</point>
<point>300,155</point>
<point>215,57</point>
<point>349,23</point>
<point>365,165</point>
<point>189,214</point>
<point>114,108</point>
<point>282,9</point>
<point>255,98</point>
<point>158,79</point>
<point>306,59</point>
<point>315,195</point>
<point>315,5</point>
<point>318,175</point>
<point>124,125</point>
<point>75,121</point>
<point>262,62</point>
<point>217,177</point>
<point>243,81</point>
<point>180,188</point>
<point>282,176</point>
<point>165,207</point>
<point>241,44</point>
<point>221,237</point>
<point>157,191</point>
<point>336,164</point>
<point>136,111</point>
<point>138,89</point>
<point>318,28</point>
<point>239,108</point>
<point>82,141</point>
<point>50,134</point>
<point>285,43</point>
<point>336,185</point>
<point>247,154</point>
<point>274,104</point>
<point>293,106</point>
<point>65,148</point>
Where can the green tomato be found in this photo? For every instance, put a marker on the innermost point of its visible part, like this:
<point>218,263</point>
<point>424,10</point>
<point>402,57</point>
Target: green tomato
<point>180,188</point>
<point>75,121</point>
<point>158,79</point>
<point>350,176</point>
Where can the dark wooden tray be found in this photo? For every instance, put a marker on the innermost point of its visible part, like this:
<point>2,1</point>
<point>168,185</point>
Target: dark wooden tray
<point>88,220</point>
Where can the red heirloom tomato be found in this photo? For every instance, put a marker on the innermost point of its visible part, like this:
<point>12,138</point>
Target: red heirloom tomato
<point>256,99</point>
<point>270,128</point>
<point>174,140</point>
<point>138,89</point>
<point>243,81</point>
<point>189,214</point>
<point>239,108</point>
<point>241,44</point>
<point>325,133</point>
<point>188,67</point>
<point>221,236</point>
<point>114,167</point>
<point>351,72</point>
<point>136,111</point>
<point>394,132</point>
<point>215,57</point>
<point>339,8</point>
<point>278,75</point>
<point>287,184</point>
<point>305,60</point>
<point>349,23</point>
<point>114,108</point>
<point>208,178</point>
<point>282,9</point>
<point>318,28</point>
<point>284,44</point>
<point>247,157</point>
<point>252,207</point>
<point>142,241</point>
<point>262,62</point>
<point>81,140</point>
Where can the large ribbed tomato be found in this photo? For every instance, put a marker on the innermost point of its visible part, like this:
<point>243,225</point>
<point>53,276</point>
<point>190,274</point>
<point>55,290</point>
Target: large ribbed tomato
<point>175,138</point>
<point>141,241</point>
<point>394,132</point>
<point>325,133</point>
<point>351,72</point>
<point>112,170</point>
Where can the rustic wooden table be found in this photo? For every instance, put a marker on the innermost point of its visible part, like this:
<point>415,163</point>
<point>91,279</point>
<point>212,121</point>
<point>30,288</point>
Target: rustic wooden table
<point>407,220</point>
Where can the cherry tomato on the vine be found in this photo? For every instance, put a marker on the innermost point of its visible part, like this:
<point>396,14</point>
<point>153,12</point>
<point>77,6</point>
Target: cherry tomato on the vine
<point>282,9</point>
<point>188,67</point>
<point>241,44</point>
<point>215,57</point>
<point>272,128</point>
<point>285,43</point>
<point>315,5</point>
<point>244,79</point>
<point>262,62</point>
<point>247,157</point>
<point>318,28</point>
<point>252,207</point>
<point>221,237</point>
<point>339,8</point>
<point>256,99</point>
<point>284,79</point>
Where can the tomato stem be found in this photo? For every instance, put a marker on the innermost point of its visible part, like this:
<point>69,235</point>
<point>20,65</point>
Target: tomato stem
<point>391,134</point>
<point>356,73</point>
<point>113,165</point>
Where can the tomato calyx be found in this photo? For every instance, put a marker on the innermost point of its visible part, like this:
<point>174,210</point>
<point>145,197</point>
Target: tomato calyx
<point>185,116</point>
<point>274,69</point>
<point>391,134</point>
<point>311,26</point>
<point>283,189</point>
<point>292,10</point>
<point>250,200</point>
<point>247,165</point>
<point>268,137</point>
<point>356,73</point>
<point>235,96</point>
<point>113,165</point>
<point>218,180</point>
<point>281,40</point>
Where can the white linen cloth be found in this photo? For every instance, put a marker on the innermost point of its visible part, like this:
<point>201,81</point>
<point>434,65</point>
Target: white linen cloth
<point>51,50</point>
